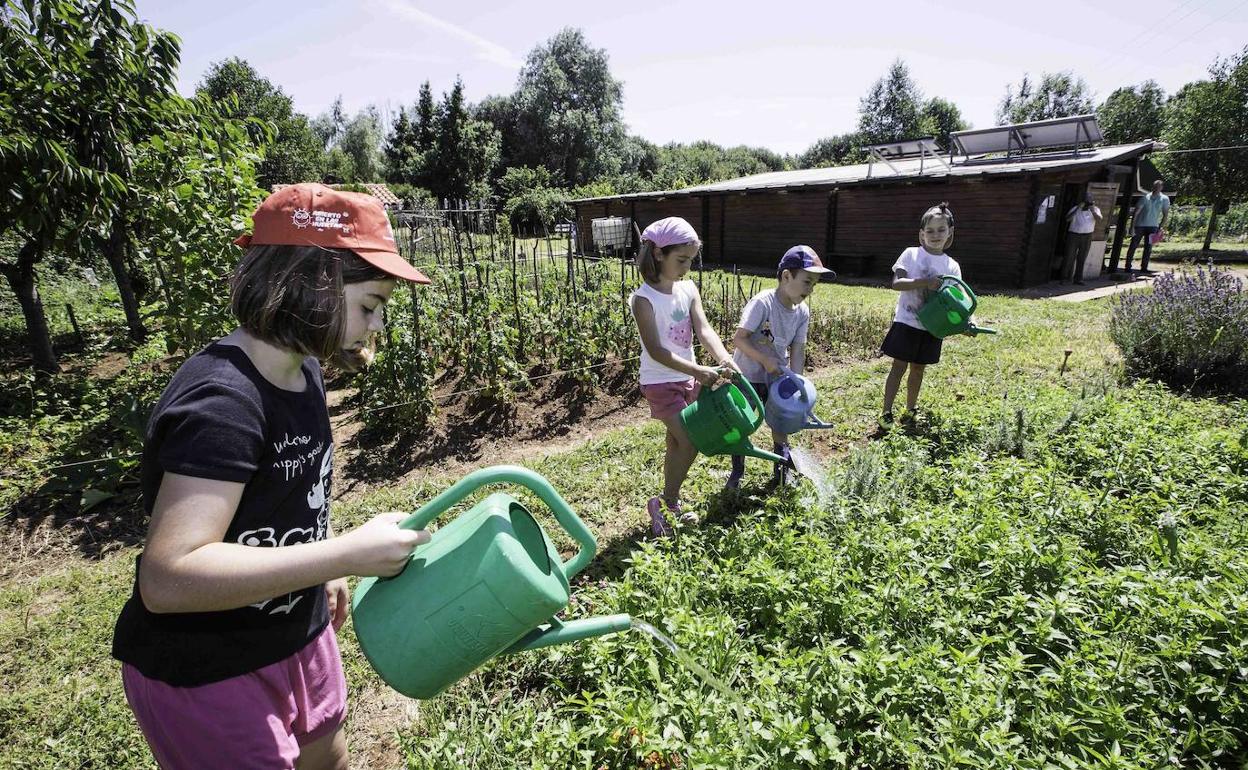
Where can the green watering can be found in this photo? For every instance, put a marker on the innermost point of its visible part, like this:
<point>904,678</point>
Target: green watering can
<point>720,421</point>
<point>488,583</point>
<point>949,310</point>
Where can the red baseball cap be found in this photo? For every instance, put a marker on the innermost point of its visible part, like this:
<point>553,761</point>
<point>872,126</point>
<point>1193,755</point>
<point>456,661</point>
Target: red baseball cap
<point>310,214</point>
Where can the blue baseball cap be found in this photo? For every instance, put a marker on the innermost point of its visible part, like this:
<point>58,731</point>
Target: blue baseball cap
<point>803,258</point>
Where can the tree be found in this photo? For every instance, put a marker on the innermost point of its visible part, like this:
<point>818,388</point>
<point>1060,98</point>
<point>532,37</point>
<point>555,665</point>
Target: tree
<point>353,148</point>
<point>501,113</point>
<point>940,118</point>
<point>81,84</point>
<point>1206,114</point>
<point>682,165</point>
<point>361,142</point>
<point>891,109</point>
<point>464,153</point>
<point>198,187</point>
<point>639,157</point>
<point>425,120</point>
<point>330,125</point>
<point>568,111</point>
<point>296,153</point>
<point>410,146</point>
<point>530,200</point>
<point>400,145</point>
<point>1133,113</point>
<point>1059,95</point>
<point>831,151</point>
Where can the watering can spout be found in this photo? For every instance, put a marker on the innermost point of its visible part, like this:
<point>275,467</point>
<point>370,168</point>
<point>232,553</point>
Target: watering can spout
<point>559,632</point>
<point>749,450</point>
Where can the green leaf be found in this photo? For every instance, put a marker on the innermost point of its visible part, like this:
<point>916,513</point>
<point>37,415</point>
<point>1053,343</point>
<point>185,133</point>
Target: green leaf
<point>92,497</point>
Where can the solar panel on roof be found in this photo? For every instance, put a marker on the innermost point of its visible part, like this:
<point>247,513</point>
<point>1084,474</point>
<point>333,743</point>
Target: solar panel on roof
<point>907,148</point>
<point>1019,137</point>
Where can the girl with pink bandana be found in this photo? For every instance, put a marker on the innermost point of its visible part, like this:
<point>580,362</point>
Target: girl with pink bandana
<point>668,311</point>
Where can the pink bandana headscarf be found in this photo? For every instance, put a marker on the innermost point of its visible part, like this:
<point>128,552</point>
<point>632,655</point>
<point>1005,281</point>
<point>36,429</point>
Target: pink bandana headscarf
<point>671,230</point>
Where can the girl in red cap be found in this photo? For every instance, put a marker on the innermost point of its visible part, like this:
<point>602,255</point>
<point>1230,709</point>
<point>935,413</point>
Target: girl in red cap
<point>668,311</point>
<point>228,639</point>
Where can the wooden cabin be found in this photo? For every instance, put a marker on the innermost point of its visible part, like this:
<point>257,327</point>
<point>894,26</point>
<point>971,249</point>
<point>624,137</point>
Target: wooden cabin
<point>1009,198</point>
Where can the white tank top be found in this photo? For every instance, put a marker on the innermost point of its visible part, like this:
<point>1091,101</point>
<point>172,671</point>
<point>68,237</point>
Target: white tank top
<point>675,326</point>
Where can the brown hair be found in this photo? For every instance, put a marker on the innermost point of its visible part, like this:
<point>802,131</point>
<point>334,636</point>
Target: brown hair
<point>940,210</point>
<point>292,296</point>
<point>648,263</point>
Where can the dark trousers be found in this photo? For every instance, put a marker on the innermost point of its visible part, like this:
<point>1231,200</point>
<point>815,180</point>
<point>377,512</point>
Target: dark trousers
<point>1077,245</point>
<point>1145,232</point>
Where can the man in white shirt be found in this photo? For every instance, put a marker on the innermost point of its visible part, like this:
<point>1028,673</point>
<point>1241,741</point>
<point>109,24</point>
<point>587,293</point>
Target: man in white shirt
<point>1083,220</point>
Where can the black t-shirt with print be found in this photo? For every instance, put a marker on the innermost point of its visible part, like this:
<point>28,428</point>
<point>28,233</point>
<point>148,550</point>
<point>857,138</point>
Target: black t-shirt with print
<point>220,419</point>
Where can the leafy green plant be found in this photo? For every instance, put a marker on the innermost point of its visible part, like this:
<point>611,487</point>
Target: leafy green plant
<point>1190,331</point>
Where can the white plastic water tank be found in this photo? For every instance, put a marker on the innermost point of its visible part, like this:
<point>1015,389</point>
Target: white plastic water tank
<point>612,232</point>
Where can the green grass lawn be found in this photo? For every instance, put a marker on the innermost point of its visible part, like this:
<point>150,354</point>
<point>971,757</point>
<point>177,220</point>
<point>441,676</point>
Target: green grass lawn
<point>1219,251</point>
<point>1050,572</point>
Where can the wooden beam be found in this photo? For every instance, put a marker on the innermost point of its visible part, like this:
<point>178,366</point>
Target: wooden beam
<point>830,237</point>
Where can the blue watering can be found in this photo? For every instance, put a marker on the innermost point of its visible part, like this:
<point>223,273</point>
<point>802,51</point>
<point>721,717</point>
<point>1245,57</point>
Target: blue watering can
<point>791,403</point>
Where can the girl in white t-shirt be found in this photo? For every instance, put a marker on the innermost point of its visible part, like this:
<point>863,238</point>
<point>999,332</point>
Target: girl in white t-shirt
<point>916,274</point>
<point>668,311</point>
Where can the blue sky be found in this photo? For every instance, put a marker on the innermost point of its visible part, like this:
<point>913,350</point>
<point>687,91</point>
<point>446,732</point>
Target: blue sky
<point>778,74</point>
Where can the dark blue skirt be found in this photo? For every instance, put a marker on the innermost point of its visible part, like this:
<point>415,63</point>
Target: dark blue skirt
<point>914,346</point>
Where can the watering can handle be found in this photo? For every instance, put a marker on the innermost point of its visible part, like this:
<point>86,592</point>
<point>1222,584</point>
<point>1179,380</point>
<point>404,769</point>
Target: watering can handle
<point>967,289</point>
<point>746,388</point>
<point>512,474</point>
<point>787,372</point>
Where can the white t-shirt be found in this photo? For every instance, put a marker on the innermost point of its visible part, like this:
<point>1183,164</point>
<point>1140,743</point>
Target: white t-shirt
<point>773,327</point>
<point>675,326</point>
<point>919,263</point>
<point>1084,220</point>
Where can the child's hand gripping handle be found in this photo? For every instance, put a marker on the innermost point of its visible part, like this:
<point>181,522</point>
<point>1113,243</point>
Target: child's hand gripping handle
<point>747,389</point>
<point>966,289</point>
<point>512,474</point>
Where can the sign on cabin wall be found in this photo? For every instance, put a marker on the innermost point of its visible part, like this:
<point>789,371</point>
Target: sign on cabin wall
<point>1104,194</point>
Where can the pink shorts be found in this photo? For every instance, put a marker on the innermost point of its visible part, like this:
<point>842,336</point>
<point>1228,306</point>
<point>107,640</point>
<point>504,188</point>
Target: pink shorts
<point>259,719</point>
<point>666,399</point>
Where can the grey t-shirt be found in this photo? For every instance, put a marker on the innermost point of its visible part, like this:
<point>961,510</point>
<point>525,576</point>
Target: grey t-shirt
<point>772,327</point>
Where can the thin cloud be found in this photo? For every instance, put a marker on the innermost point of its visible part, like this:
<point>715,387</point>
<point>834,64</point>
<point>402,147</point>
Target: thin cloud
<point>402,57</point>
<point>485,50</point>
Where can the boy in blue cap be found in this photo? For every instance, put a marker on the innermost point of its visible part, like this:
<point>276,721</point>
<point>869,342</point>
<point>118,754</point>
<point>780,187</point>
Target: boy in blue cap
<point>771,337</point>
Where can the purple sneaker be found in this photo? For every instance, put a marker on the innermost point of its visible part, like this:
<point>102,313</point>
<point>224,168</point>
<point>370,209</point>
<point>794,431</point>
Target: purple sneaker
<point>658,522</point>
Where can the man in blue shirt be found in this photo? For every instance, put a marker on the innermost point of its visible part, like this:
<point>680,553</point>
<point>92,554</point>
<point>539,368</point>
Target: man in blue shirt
<point>1151,215</point>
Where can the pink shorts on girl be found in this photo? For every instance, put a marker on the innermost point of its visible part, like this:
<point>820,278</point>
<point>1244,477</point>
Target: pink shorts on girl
<point>666,399</point>
<point>255,720</point>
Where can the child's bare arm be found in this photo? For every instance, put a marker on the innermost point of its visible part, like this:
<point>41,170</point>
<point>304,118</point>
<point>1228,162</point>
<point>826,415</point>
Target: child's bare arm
<point>741,341</point>
<point>902,283</point>
<point>797,356</point>
<point>188,568</point>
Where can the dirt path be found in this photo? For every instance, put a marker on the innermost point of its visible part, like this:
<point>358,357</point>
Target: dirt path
<point>43,535</point>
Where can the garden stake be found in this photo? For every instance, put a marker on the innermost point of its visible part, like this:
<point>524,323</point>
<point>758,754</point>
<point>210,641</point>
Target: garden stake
<point>515,305</point>
<point>1065,358</point>
<point>74,322</point>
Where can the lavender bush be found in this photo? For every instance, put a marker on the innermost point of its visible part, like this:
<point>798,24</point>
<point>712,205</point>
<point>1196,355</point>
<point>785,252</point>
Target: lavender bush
<point>1190,331</point>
